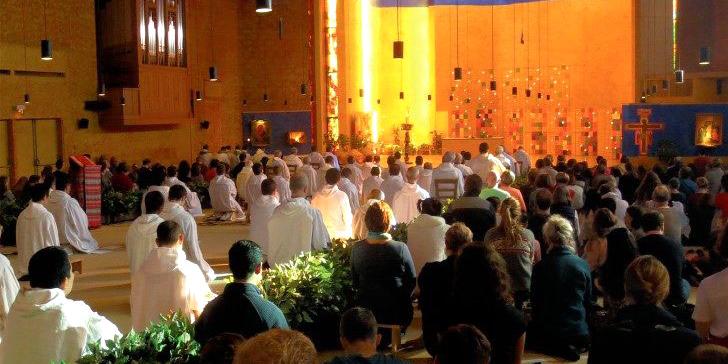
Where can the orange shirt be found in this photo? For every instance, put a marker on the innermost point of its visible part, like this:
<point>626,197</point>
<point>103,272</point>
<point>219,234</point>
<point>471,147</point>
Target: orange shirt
<point>515,193</point>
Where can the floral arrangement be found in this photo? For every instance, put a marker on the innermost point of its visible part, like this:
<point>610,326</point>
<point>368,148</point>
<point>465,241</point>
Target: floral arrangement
<point>115,204</point>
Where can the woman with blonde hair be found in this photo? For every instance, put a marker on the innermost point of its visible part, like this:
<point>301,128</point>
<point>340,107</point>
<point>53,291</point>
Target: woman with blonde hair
<point>517,246</point>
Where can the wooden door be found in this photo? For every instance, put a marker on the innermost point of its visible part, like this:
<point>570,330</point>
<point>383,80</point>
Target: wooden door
<point>32,145</point>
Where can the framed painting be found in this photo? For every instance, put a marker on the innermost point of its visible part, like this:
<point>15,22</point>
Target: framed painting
<point>260,132</point>
<point>708,130</point>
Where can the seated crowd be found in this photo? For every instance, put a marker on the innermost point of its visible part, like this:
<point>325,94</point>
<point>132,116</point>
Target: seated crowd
<point>562,259</point>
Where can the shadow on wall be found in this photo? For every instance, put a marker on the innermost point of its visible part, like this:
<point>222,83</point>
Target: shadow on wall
<point>271,130</point>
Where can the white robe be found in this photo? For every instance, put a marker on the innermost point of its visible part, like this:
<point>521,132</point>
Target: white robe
<point>72,222</point>
<point>351,191</point>
<point>447,171</point>
<point>193,204</point>
<point>295,215</point>
<point>426,240</point>
<point>260,213</point>
<point>293,160</point>
<point>252,188</point>
<point>44,326</point>
<point>485,163</point>
<point>285,172</point>
<point>284,189</point>
<point>258,156</point>
<point>465,170</point>
<point>141,238</point>
<point>191,245</point>
<point>316,157</point>
<point>425,179</point>
<point>335,162</point>
<point>359,226</point>
<point>405,201</point>
<point>335,210</point>
<point>35,230</point>
<point>164,190</point>
<point>523,157</point>
<point>9,288</point>
<point>222,195</point>
<point>371,183</point>
<point>167,282</point>
<point>321,176</point>
<point>241,181</point>
<point>311,181</point>
<point>356,176</point>
<point>390,186</point>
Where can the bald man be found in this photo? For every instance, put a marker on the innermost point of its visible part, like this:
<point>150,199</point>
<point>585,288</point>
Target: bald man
<point>447,170</point>
<point>406,200</point>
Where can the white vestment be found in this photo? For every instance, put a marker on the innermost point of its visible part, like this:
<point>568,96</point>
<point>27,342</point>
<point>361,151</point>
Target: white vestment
<point>284,189</point>
<point>335,210</point>
<point>167,282</point>
<point>311,181</point>
<point>390,186</point>
<point>425,179</point>
<point>9,288</point>
<point>351,191</point>
<point>258,156</point>
<point>485,163</point>
<point>426,240</point>
<point>35,230</point>
<point>222,195</point>
<point>252,188</point>
<point>141,238</point>
<point>360,227</point>
<point>447,170</point>
<point>371,183</point>
<point>293,160</point>
<point>193,204</point>
<point>260,213</point>
<point>191,245</point>
<point>321,176</point>
<point>72,222</point>
<point>521,156</point>
<point>335,162</point>
<point>294,228</point>
<point>44,326</point>
<point>316,157</point>
<point>402,167</point>
<point>356,175</point>
<point>241,181</point>
<point>285,173</point>
<point>465,170</point>
<point>164,190</point>
<point>404,203</point>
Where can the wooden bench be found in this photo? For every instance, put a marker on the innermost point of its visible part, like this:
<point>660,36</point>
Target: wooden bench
<point>445,188</point>
<point>396,331</point>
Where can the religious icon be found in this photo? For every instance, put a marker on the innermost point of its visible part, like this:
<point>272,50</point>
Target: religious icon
<point>644,130</point>
<point>260,131</point>
<point>708,130</point>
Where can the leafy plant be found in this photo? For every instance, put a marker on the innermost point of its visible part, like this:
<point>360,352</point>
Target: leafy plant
<point>436,142</point>
<point>112,203</point>
<point>331,140</point>
<point>168,341</point>
<point>399,232</point>
<point>520,181</point>
<point>9,212</point>
<point>202,189</point>
<point>359,140</point>
<point>666,150</point>
<point>342,141</point>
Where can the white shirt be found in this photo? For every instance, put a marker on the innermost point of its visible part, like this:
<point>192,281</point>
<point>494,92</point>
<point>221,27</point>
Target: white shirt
<point>285,172</point>
<point>71,221</point>
<point>335,210</point>
<point>404,203</point>
<point>711,304</point>
<point>44,326</point>
<point>335,162</point>
<point>141,238</point>
<point>284,190</point>
<point>191,245</point>
<point>485,163</point>
<point>357,177</point>
<point>521,156</point>
<point>676,222</point>
<point>447,171</point>
<point>360,227</point>
<point>622,205</point>
<point>425,179</point>
<point>222,195</point>
<point>351,191</point>
<point>390,186</point>
<point>252,188</point>
<point>316,158</point>
<point>311,181</point>
<point>321,176</point>
<point>426,239</point>
<point>241,181</point>
<point>164,190</point>
<point>193,204</point>
<point>298,216</point>
<point>167,282</point>
<point>466,171</point>
<point>35,230</point>
<point>205,157</point>
<point>260,213</point>
<point>371,183</point>
<point>9,288</point>
<point>505,160</point>
<point>293,160</point>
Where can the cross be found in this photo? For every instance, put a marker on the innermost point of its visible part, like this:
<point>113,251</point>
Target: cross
<point>643,130</point>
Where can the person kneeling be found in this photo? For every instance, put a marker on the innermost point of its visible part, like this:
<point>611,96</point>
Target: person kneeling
<point>358,335</point>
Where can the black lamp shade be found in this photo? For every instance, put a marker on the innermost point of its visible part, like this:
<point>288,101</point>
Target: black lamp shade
<point>514,91</point>
<point>401,95</point>
<point>304,89</point>
<point>198,95</point>
<point>26,98</point>
<point>704,56</point>
<point>539,95</point>
<point>528,93</point>
<point>493,85</point>
<point>263,6</point>
<point>458,73</point>
<point>361,92</point>
<point>452,97</point>
<point>46,50</point>
<point>429,97</point>
<point>123,101</point>
<point>548,97</point>
<point>398,49</point>
<point>102,89</point>
<point>265,97</point>
<point>213,73</point>
<point>679,76</point>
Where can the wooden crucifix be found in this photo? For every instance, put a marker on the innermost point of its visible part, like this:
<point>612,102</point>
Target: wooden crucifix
<point>643,130</point>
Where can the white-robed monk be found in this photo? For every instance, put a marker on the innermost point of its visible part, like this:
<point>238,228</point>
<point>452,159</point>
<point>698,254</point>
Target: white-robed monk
<point>297,215</point>
<point>9,288</point>
<point>278,161</point>
<point>293,159</point>
<point>334,206</point>
<point>43,326</point>
<point>36,228</point>
<point>222,196</point>
<point>261,211</point>
<point>310,174</point>
<point>356,176</point>
<point>192,202</point>
<point>252,187</point>
<point>359,225</point>
<point>425,179</point>
<point>465,170</point>
<point>321,173</point>
<point>373,182</point>
<point>347,185</point>
<point>392,183</point>
<point>334,159</point>
<point>284,192</point>
<point>447,171</point>
<point>406,200</point>
<point>71,220</point>
<point>186,221</point>
<point>486,162</point>
<point>315,157</point>
<point>141,237</point>
<point>426,235</point>
<point>167,282</point>
<point>157,177</point>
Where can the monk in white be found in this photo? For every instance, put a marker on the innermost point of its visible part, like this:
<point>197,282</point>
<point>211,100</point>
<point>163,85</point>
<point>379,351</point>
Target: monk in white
<point>360,227</point>
<point>278,161</point>
<point>315,157</point>
<point>334,159</point>
<point>192,202</point>
<point>186,221</point>
<point>43,326</point>
<point>296,215</point>
<point>284,192</point>
<point>261,211</point>
<point>241,181</point>
<point>321,173</point>
<point>486,162</point>
<point>71,220</point>
<point>447,171</point>
<point>9,288</point>
<point>293,159</point>
<point>167,282</point>
<point>425,179</point>
<point>347,185</point>
<point>141,238</point>
<point>158,175</point>
<point>204,157</point>
<point>252,188</point>
<point>36,227</point>
<point>466,171</point>
<point>406,200</point>
<point>258,156</point>
<point>356,176</point>
<point>310,174</point>
<point>398,160</point>
<point>373,182</point>
<point>334,206</point>
<point>392,183</point>
<point>222,195</point>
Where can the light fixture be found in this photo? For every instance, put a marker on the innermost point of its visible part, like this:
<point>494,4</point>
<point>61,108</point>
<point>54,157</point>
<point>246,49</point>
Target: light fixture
<point>528,92</point>
<point>493,85</point>
<point>679,76</point>
<point>123,101</point>
<point>198,95</point>
<point>548,97</point>
<point>451,97</point>
<point>539,95</point>
<point>514,91</point>
<point>704,56</point>
<point>304,89</point>
<point>46,50</point>
<point>265,97</point>
<point>263,6</point>
<point>398,45</point>
<point>102,89</point>
<point>643,98</point>
<point>401,95</point>
<point>26,99</point>
<point>213,73</point>
<point>458,73</point>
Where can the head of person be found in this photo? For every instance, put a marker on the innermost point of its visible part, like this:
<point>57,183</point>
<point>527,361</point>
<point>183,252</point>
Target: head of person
<point>448,157</point>
<point>604,221</point>
<point>561,196</point>
<point>146,162</point>
<point>39,192</point>
<point>562,178</point>
<point>473,185</point>
<point>646,281</point>
<point>221,349</point>
<point>377,217</point>
<point>456,237</point>
<point>306,160</point>
<point>195,169</point>
<point>428,166</point>
<point>62,182</point>
<point>653,221</point>
<point>358,331</point>
<point>463,344</point>
<point>544,199</point>
<point>246,261</point>
<point>298,185</point>
<point>419,160</point>
<point>50,268</point>
<point>278,153</point>
<point>169,235</point>
<point>499,149</point>
<point>510,213</point>
<point>277,346</point>
<point>507,178</point>
<point>430,206</point>
<point>3,185</point>
<point>708,354</point>
<point>483,148</point>
<point>412,175</point>
<point>294,150</point>
<point>268,187</point>
<point>332,176</point>
<point>633,217</point>
<point>314,149</point>
<point>329,160</point>
<point>368,158</point>
<point>545,180</point>
<point>393,169</point>
<point>257,169</point>
<point>220,169</point>
<point>397,155</point>
<point>661,195</point>
<point>375,171</point>
<point>702,183</point>
<point>177,193</point>
<point>686,172</point>
<point>608,203</point>
<point>172,171</point>
<point>154,202</point>
<point>350,159</point>
<point>458,158</point>
<point>558,233</point>
<point>346,173</point>
<point>491,179</point>
<point>481,275</point>
<point>375,194</point>
<point>674,183</point>
<point>276,170</point>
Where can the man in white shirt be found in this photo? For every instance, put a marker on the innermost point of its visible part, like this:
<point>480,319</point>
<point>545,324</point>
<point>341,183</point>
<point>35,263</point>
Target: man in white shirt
<point>141,237</point>
<point>222,196</point>
<point>609,190</point>
<point>157,176</point>
<point>466,171</point>
<point>192,202</point>
<point>284,192</point>
<point>425,179</point>
<point>334,206</point>
<point>293,159</point>
<point>186,221</point>
<point>167,282</point>
<point>366,168</point>
<point>307,171</point>
<point>486,162</point>
<point>252,188</point>
<point>335,160</point>
<point>402,165</point>
<point>261,211</point>
<point>71,220</point>
<point>346,184</point>
<point>373,182</point>
<point>321,173</point>
<point>406,200</point>
<point>356,175</point>
<point>447,170</point>
<point>9,288</point>
<point>36,228</point>
<point>315,157</point>
<point>677,223</point>
<point>297,215</point>
<point>392,183</point>
<point>711,305</point>
<point>277,161</point>
<point>504,158</point>
<point>43,326</point>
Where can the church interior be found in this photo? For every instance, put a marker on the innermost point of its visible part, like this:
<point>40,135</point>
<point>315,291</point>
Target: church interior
<point>87,85</point>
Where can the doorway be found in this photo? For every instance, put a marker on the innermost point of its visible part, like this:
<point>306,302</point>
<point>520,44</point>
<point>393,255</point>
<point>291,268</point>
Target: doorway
<point>31,144</point>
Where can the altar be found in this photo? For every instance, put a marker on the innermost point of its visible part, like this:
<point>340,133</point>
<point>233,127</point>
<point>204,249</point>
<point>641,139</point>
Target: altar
<point>469,144</point>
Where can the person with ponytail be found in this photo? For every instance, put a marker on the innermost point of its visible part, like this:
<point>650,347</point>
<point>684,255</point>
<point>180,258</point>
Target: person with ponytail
<point>517,246</point>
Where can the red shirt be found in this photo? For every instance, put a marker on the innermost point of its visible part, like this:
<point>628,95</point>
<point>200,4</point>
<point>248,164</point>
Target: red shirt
<point>121,182</point>
<point>721,202</point>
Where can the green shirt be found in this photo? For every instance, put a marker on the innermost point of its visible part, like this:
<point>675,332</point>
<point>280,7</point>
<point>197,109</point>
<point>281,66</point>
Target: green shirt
<point>494,192</point>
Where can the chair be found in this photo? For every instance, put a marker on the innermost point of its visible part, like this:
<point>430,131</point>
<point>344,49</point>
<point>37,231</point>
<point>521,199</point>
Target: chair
<point>396,335</point>
<point>445,188</point>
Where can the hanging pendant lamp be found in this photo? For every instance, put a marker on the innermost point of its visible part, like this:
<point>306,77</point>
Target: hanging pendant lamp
<point>493,85</point>
<point>458,73</point>
<point>213,73</point>
<point>304,89</point>
<point>704,56</point>
<point>265,97</point>
<point>102,89</point>
<point>198,95</point>
<point>263,6</point>
<point>123,101</point>
<point>46,50</point>
<point>679,76</point>
<point>26,99</point>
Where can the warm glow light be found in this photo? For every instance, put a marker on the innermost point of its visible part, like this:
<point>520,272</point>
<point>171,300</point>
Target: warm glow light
<point>332,66</point>
<point>366,66</point>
